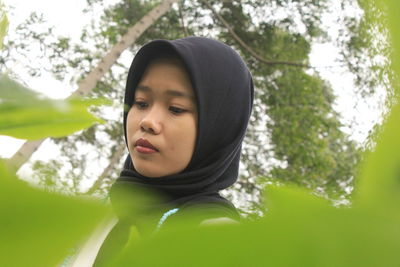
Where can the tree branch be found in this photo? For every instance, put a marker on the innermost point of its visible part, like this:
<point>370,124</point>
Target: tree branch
<point>118,153</point>
<point>182,21</point>
<point>248,48</point>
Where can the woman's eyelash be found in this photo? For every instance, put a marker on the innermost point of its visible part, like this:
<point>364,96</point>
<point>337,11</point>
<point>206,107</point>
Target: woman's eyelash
<point>140,104</point>
<point>172,109</point>
<point>176,110</point>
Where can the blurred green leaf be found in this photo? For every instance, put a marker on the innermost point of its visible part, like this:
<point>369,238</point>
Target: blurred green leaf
<point>3,24</point>
<point>26,115</point>
<point>380,177</point>
<point>379,186</point>
<point>38,228</point>
<point>13,92</point>
<point>394,28</point>
<point>299,230</point>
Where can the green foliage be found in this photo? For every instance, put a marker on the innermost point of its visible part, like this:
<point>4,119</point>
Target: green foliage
<point>303,129</point>
<point>395,37</point>
<point>306,135</point>
<point>384,161</point>
<point>46,176</point>
<point>3,24</point>
<point>26,115</point>
<point>299,230</point>
<point>38,228</point>
<point>367,54</point>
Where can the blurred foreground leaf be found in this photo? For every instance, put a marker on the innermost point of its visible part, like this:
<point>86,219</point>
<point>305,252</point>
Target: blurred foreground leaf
<point>3,24</point>
<point>299,230</point>
<point>393,6</point>
<point>39,228</point>
<point>26,115</point>
<point>379,187</point>
<point>380,178</point>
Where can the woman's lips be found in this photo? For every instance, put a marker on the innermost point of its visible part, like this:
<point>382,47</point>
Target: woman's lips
<point>144,146</point>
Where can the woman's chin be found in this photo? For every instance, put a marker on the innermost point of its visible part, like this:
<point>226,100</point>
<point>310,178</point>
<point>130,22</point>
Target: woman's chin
<point>152,169</point>
<point>149,171</point>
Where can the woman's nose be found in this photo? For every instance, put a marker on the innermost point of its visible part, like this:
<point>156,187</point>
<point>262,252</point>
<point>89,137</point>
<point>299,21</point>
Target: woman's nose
<point>151,122</point>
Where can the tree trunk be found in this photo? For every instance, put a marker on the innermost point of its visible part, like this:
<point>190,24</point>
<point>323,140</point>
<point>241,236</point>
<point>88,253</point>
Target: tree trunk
<point>90,81</point>
<point>119,152</point>
<point>23,154</point>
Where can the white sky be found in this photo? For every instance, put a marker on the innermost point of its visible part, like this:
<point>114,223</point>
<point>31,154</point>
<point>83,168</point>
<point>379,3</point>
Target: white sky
<point>64,14</point>
<point>69,19</point>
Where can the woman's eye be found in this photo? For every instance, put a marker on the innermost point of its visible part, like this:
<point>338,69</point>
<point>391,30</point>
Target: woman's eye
<point>176,110</point>
<point>140,104</point>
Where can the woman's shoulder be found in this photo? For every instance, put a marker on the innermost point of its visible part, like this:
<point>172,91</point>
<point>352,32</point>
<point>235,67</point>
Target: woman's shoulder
<point>205,211</point>
<point>219,221</point>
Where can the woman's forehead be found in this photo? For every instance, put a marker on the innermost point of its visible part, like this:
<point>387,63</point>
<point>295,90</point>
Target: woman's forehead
<point>169,76</point>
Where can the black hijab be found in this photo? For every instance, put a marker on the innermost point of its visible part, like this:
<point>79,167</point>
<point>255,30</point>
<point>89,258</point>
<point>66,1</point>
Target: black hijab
<point>224,92</point>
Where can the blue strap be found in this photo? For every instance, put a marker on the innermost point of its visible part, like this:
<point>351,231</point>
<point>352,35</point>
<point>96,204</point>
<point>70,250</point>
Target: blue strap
<point>68,259</point>
<point>165,216</point>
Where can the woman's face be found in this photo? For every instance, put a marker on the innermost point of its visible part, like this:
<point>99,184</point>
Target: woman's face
<point>162,123</point>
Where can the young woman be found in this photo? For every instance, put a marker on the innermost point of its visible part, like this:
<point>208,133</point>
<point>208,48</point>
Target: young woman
<point>187,106</point>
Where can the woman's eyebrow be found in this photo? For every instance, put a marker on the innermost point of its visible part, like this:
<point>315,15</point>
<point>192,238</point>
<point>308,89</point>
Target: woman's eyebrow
<point>179,94</point>
<point>169,92</point>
